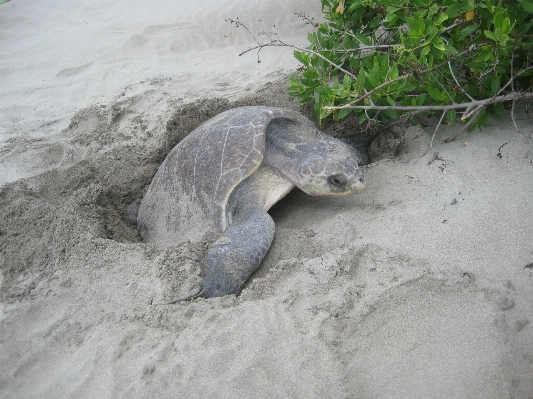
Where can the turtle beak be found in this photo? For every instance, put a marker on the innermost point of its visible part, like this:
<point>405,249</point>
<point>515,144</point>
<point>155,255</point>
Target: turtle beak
<point>360,184</point>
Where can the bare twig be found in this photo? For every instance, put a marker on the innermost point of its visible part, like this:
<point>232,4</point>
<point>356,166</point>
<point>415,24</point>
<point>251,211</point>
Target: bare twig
<point>365,48</point>
<point>513,78</point>
<point>473,118</point>
<point>476,110</point>
<point>238,24</point>
<point>435,132</point>
<point>438,107</point>
<point>307,19</point>
<point>435,154</point>
<point>514,118</point>
<point>279,43</point>
<point>457,82</point>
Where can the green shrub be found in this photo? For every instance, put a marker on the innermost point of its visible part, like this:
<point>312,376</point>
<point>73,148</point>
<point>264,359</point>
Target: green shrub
<point>386,59</point>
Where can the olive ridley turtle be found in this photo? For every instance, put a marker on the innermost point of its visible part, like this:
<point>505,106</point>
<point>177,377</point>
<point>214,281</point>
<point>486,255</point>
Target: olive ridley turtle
<point>219,182</point>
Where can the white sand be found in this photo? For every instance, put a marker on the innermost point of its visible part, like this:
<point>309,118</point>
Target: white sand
<point>394,293</point>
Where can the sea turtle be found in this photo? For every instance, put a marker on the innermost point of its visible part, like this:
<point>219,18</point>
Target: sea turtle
<point>219,182</point>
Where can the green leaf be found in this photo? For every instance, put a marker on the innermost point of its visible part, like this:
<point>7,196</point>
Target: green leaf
<point>484,55</point>
<point>440,19</point>
<point>408,87</point>
<point>310,74</point>
<point>467,31</point>
<point>421,25</point>
<point>457,8</point>
<point>498,21</point>
<point>438,43</point>
<point>362,117</point>
<point>432,11</point>
<point>343,113</point>
<point>393,114</point>
<point>395,3</point>
<point>317,107</point>
<point>393,73</point>
<point>451,116</point>
<point>435,94</point>
<point>346,82</point>
<point>413,25</point>
<point>492,35</point>
<point>372,79</point>
<point>302,57</point>
<point>401,84</point>
<point>375,23</point>
<point>482,119</point>
<point>420,99</point>
<point>312,37</point>
<point>323,114</point>
<point>357,14</point>
<point>501,24</point>
<point>421,3</point>
<point>354,6</point>
<point>495,84</point>
<point>527,5</point>
<point>360,84</point>
<point>364,39</point>
<point>499,109</point>
<point>391,17</point>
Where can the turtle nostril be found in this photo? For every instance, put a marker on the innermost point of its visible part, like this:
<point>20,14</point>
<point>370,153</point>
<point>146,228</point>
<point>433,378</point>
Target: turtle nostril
<point>337,180</point>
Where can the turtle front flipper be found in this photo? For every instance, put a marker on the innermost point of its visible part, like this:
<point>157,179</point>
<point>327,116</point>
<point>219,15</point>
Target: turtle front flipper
<point>233,258</point>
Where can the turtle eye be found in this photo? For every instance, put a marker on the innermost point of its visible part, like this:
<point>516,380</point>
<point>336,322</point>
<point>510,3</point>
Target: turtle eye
<point>337,180</point>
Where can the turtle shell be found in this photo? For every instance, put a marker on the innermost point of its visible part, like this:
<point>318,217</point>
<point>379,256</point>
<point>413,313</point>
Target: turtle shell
<point>188,196</point>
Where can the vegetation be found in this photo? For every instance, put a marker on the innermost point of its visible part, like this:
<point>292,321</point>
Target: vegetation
<point>387,59</point>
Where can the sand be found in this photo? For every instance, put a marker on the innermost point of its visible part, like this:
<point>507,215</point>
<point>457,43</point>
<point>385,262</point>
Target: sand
<point>420,287</point>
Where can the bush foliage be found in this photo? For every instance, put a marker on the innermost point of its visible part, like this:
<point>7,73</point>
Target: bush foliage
<point>394,58</point>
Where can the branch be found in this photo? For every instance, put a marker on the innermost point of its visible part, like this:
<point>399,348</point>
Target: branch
<point>364,47</point>
<point>474,117</point>
<point>279,43</point>
<point>435,133</point>
<point>457,82</point>
<point>439,107</point>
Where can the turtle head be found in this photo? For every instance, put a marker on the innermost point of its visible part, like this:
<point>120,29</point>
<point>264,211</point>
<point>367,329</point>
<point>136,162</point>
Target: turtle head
<point>329,168</point>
